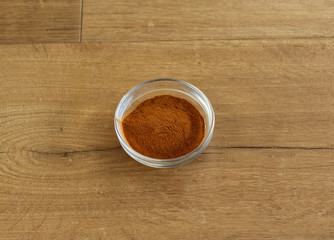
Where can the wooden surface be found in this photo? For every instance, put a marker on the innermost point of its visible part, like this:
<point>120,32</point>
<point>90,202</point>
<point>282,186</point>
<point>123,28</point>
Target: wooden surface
<point>27,21</point>
<point>211,19</point>
<point>268,172</point>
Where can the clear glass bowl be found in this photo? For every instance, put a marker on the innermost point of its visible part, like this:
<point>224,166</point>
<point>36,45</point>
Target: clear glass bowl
<point>175,88</point>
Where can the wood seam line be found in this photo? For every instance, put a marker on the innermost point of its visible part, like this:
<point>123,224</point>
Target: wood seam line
<point>209,39</point>
<point>189,40</point>
<point>227,147</point>
<point>81,19</point>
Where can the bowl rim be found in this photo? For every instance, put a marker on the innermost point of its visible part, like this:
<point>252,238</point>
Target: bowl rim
<point>203,144</point>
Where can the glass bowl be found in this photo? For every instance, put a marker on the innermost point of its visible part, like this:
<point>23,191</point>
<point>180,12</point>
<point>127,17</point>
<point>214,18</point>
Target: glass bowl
<point>175,88</point>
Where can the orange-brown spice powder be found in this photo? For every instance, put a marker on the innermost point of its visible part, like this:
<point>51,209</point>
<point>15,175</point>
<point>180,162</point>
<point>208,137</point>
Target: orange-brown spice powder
<point>164,127</point>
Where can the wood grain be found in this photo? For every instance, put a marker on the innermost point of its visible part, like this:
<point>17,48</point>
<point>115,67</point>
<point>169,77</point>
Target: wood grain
<point>265,93</point>
<point>36,21</point>
<point>267,174</point>
<point>195,20</point>
<point>224,194</point>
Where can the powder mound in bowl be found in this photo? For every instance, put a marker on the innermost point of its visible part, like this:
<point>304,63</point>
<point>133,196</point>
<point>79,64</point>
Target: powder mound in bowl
<point>164,127</point>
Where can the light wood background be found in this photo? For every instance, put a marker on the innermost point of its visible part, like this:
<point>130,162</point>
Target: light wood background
<point>267,68</point>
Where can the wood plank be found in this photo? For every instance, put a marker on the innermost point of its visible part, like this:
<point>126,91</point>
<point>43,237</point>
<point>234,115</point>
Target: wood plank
<point>265,93</point>
<point>224,194</point>
<point>63,174</point>
<point>36,21</point>
<point>194,19</point>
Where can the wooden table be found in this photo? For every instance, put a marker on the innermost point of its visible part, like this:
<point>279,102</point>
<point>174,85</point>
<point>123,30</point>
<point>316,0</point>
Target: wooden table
<point>266,66</point>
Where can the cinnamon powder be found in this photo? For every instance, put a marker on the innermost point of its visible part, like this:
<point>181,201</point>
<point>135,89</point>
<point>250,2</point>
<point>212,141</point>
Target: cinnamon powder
<point>164,127</point>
